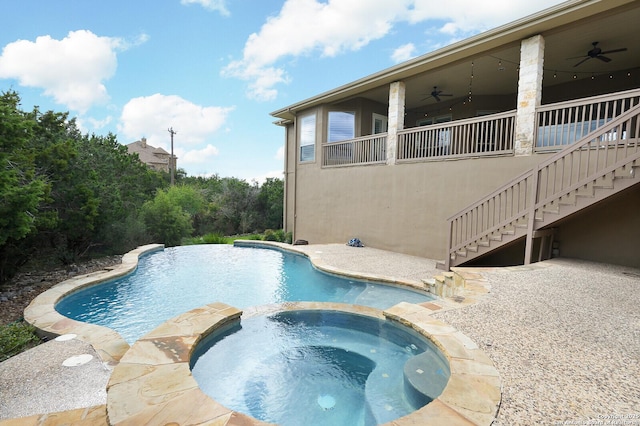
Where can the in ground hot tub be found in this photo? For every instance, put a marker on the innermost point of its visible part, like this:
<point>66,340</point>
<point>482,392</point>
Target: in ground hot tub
<point>319,367</point>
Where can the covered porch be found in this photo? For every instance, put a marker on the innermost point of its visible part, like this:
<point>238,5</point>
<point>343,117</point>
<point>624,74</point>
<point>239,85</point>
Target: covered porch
<point>481,97</point>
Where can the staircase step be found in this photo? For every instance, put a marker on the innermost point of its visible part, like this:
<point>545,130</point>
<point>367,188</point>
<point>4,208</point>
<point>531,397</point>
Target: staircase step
<point>567,200</point>
<point>627,172</point>
<point>521,224</point>
<point>462,253</point>
<point>495,237</point>
<point>484,243</point>
<point>604,182</point>
<point>585,191</point>
<point>473,248</point>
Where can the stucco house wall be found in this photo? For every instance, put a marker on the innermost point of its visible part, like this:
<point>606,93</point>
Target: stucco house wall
<point>404,206</point>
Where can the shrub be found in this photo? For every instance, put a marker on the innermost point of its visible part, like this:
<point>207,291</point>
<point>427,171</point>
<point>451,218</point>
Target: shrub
<point>270,235</point>
<point>215,239</point>
<point>15,338</point>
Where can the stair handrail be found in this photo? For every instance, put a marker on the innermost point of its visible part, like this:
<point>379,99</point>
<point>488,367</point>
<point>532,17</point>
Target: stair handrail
<point>580,145</point>
<point>531,199</point>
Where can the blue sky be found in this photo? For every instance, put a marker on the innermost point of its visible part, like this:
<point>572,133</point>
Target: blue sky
<point>213,70</point>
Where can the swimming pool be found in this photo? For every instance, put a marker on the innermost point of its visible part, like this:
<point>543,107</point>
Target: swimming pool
<point>175,280</point>
<point>318,367</point>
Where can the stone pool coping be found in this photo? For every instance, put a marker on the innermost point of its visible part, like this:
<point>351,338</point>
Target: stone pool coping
<point>150,380</point>
<point>42,314</point>
<point>153,383</point>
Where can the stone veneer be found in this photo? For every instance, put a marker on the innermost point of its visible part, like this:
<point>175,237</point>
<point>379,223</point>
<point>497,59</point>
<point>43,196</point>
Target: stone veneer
<point>152,382</point>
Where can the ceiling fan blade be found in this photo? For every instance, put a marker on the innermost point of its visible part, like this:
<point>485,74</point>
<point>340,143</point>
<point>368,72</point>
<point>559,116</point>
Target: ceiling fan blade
<point>582,61</point>
<point>445,94</point>
<point>603,58</point>
<point>437,98</point>
<point>624,49</point>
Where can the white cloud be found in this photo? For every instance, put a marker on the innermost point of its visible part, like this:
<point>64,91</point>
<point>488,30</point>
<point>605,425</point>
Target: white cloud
<point>305,27</point>
<point>403,53</point>
<point>213,5</point>
<point>95,124</point>
<point>280,153</point>
<point>152,116</point>
<point>197,159</point>
<point>464,17</point>
<point>333,27</point>
<point>71,70</point>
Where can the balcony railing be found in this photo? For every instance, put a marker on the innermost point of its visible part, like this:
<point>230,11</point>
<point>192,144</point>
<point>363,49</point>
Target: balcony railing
<point>479,136</point>
<point>364,150</point>
<point>564,123</point>
<point>559,125</point>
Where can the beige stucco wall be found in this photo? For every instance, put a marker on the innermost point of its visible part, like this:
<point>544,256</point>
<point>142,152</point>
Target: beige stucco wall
<point>402,208</point>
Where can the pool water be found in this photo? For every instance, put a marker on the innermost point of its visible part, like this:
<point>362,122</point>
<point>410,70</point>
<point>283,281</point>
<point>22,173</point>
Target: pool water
<point>178,279</point>
<point>316,368</point>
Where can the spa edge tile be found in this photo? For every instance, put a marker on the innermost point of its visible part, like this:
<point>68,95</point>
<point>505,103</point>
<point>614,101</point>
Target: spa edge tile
<point>475,397</point>
<point>160,350</point>
<point>202,410</point>
<point>472,367</point>
<point>194,322</point>
<point>148,390</point>
<point>453,346</point>
<point>434,414</point>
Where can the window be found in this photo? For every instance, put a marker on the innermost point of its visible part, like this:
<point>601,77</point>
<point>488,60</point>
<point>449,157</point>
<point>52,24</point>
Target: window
<point>380,124</point>
<point>342,126</point>
<point>308,138</point>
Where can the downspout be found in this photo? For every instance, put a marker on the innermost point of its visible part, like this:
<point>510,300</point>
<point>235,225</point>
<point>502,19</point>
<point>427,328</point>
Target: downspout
<point>295,172</point>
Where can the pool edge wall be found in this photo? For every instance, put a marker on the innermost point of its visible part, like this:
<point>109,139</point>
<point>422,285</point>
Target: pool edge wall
<point>318,263</point>
<point>153,384</point>
<point>49,323</point>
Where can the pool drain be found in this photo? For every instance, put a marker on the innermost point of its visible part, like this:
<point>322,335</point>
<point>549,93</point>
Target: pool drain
<point>327,402</point>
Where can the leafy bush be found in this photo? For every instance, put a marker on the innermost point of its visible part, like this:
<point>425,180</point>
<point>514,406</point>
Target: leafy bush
<point>277,235</point>
<point>270,235</point>
<point>15,338</point>
<point>215,239</point>
<point>168,223</point>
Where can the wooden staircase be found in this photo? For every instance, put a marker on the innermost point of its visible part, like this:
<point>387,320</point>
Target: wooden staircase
<point>586,172</point>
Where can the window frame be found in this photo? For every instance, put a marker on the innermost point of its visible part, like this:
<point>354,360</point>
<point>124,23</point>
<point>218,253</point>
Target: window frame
<point>306,155</point>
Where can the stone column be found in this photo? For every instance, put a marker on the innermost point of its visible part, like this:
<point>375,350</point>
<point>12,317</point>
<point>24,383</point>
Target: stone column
<point>395,118</point>
<point>529,93</point>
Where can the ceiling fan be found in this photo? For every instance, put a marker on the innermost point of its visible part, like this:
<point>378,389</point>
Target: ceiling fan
<point>597,53</point>
<point>436,94</point>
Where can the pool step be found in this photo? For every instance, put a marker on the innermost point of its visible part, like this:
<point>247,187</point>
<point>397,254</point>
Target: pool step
<point>448,284</point>
<point>425,377</point>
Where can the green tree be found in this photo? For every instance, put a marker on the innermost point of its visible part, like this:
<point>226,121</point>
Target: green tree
<point>235,206</point>
<point>271,203</point>
<point>22,190</point>
<point>166,221</point>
